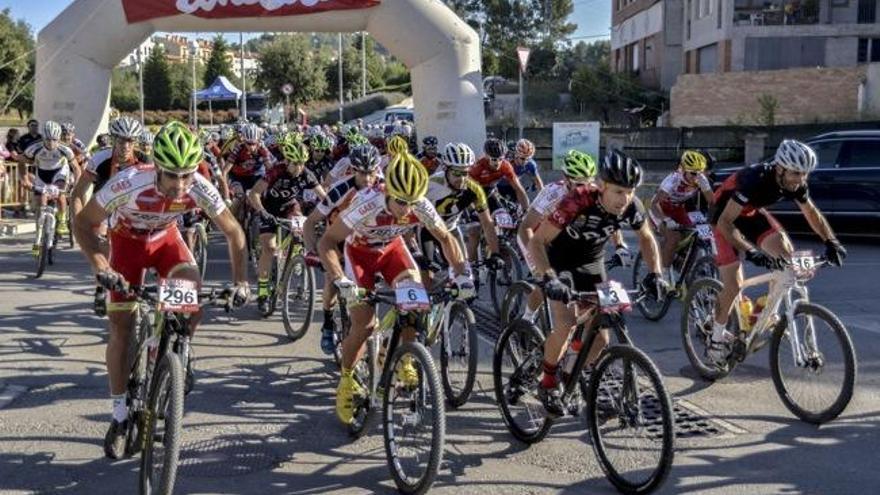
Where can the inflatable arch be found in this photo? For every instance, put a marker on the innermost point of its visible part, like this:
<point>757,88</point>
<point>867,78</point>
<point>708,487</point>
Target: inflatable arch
<point>78,50</point>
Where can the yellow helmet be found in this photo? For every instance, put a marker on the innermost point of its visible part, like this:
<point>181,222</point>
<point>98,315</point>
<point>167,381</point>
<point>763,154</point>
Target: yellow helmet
<point>405,178</point>
<point>397,145</point>
<point>693,161</point>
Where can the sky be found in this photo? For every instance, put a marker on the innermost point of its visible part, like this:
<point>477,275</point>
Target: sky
<point>593,17</point>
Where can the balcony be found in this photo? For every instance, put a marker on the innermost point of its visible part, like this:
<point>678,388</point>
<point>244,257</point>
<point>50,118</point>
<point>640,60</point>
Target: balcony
<point>775,12</point>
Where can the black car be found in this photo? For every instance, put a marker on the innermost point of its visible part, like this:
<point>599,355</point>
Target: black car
<point>845,185</point>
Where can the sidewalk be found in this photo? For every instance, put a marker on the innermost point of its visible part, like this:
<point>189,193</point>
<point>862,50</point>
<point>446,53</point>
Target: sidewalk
<point>11,227</point>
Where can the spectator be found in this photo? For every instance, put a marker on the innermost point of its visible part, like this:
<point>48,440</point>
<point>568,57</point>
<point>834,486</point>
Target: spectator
<point>12,143</point>
<point>31,137</point>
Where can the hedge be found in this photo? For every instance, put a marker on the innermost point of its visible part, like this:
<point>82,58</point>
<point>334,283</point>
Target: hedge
<point>327,112</point>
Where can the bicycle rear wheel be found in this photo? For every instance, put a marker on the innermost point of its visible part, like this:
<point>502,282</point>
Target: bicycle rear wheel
<point>629,416</point>
<point>459,350</point>
<point>697,316</point>
<point>415,420</point>
<point>500,281</point>
<point>297,297</point>
<point>163,418</point>
<point>516,369</point>
<point>820,387</point>
<point>515,305</point>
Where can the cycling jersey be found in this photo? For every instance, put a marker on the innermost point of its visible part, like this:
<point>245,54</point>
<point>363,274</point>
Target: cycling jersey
<point>49,160</point>
<point>338,198</point>
<point>103,166</point>
<point>528,167</point>
<point>139,210</point>
<point>754,187</point>
<point>586,226</point>
<point>430,164</point>
<point>247,163</point>
<point>450,203</point>
<point>284,190</point>
<point>484,175</point>
<point>374,226</point>
<point>229,146</point>
<point>321,167</point>
<point>679,191</point>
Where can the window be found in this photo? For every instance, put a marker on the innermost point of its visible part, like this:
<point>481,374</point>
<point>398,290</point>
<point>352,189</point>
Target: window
<point>875,50</point>
<point>707,59</point>
<point>774,53</point>
<point>720,9</point>
<point>863,50</point>
<point>867,13</point>
<point>827,153</point>
<point>863,154</point>
<point>635,52</point>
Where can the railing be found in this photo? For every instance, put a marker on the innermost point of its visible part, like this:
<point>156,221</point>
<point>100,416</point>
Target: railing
<point>777,13</point>
<point>12,191</point>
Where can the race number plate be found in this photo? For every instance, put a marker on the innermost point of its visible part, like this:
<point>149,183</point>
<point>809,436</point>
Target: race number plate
<point>297,223</point>
<point>803,263</point>
<point>412,298</point>
<point>697,217</point>
<point>178,296</point>
<point>704,232</point>
<point>504,220</point>
<point>613,297</point>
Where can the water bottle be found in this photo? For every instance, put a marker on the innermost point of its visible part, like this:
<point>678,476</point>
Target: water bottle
<point>383,349</point>
<point>760,304</point>
<point>745,313</point>
<point>570,356</point>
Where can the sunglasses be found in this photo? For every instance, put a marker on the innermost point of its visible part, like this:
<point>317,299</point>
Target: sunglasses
<point>402,202</point>
<point>691,174</point>
<point>458,173</point>
<point>183,176</point>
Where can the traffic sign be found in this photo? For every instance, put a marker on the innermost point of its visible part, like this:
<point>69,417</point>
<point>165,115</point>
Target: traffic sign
<point>287,89</point>
<point>523,54</point>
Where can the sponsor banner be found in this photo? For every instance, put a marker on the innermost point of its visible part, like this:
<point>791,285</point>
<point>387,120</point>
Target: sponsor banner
<point>144,10</point>
<point>581,136</point>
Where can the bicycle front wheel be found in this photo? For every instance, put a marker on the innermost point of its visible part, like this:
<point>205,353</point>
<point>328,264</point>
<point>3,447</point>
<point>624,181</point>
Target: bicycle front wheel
<point>458,355</point>
<point>297,297</point>
<point>414,417</point>
<point>163,420</point>
<point>629,416</point>
<point>817,386</point>
<point>500,281</point>
<point>200,249</point>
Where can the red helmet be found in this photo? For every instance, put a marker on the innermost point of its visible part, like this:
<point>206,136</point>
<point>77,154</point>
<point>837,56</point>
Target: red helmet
<point>525,148</point>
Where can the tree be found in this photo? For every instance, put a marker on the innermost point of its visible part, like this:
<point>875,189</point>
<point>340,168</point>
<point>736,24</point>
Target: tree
<point>218,65</point>
<point>17,60</point>
<point>124,91</point>
<point>157,81</point>
<point>582,54</point>
<point>290,59</point>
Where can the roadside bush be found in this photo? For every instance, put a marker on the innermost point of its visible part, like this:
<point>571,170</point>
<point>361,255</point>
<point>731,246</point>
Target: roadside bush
<point>327,112</point>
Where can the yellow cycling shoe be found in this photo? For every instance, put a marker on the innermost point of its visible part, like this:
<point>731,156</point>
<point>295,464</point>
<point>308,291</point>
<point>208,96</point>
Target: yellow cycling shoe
<point>407,373</point>
<point>345,393</point>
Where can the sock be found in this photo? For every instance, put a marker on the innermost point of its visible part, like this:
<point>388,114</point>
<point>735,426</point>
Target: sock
<point>718,330</point>
<point>328,318</point>
<point>549,378</point>
<point>529,314</point>
<point>119,409</point>
<point>263,287</point>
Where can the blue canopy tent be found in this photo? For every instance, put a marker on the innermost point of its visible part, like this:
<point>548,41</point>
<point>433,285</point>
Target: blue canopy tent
<point>219,90</point>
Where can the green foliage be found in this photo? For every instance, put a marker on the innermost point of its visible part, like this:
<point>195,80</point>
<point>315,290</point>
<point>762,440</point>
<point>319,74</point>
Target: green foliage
<point>124,93</point>
<point>768,105</point>
<point>17,59</point>
<point>396,73</point>
<point>599,89</point>
<point>328,112</point>
<point>157,81</point>
<point>290,59</point>
<point>218,64</point>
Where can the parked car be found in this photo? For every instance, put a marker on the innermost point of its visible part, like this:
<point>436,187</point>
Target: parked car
<point>845,185</point>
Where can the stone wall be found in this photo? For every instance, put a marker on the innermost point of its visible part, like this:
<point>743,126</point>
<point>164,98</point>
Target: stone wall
<point>802,96</point>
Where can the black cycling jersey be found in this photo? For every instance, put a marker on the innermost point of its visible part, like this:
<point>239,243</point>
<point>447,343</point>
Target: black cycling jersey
<point>321,167</point>
<point>754,187</point>
<point>284,189</point>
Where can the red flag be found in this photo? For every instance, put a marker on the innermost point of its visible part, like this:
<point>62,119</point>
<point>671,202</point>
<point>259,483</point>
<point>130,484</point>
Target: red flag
<point>144,10</point>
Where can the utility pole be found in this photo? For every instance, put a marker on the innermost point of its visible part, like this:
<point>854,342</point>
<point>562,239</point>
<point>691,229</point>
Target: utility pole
<point>363,64</point>
<point>339,57</point>
<point>243,114</point>
<point>193,50</point>
<point>140,64</point>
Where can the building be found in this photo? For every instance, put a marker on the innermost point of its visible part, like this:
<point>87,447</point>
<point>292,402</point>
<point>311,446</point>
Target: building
<point>749,35</point>
<point>646,40</point>
<point>177,51</point>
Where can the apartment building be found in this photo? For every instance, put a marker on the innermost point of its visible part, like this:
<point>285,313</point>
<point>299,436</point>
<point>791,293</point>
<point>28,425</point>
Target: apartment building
<point>646,40</point>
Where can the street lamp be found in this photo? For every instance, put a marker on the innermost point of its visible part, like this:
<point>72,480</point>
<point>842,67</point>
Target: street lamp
<point>140,70</point>
<point>193,50</point>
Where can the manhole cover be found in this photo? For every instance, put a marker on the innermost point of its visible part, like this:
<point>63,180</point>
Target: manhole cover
<point>226,458</point>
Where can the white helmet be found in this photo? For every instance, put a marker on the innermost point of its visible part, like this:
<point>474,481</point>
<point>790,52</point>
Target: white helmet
<point>251,133</point>
<point>52,130</point>
<point>458,155</point>
<point>146,138</point>
<point>126,127</point>
<point>795,155</point>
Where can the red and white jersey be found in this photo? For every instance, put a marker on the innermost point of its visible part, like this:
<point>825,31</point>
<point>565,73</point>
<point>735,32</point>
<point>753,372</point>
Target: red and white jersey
<point>138,207</point>
<point>680,191</point>
<point>373,225</point>
<point>550,196</point>
<point>343,169</point>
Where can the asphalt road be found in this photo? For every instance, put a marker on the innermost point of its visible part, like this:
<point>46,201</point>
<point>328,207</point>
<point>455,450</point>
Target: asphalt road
<point>261,418</point>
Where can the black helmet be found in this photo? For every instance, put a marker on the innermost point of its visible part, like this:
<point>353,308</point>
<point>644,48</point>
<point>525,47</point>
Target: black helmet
<point>364,158</point>
<point>619,168</point>
<point>494,148</point>
<point>429,141</point>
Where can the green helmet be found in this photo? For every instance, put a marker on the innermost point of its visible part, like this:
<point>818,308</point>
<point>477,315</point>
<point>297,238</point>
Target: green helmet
<point>176,149</point>
<point>294,152</point>
<point>579,165</point>
<point>357,140</point>
<point>321,143</point>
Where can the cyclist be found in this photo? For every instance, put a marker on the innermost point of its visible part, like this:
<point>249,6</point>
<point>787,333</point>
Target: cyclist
<point>80,151</point>
<point>452,191</point>
<point>523,165</point>
<point>280,194</point>
<point>373,228</point>
<point>319,162</point>
<point>572,240</point>
<point>54,164</point>
<point>143,204</point>
<point>247,164</point>
<point>343,166</point>
<point>742,225</point>
<point>145,143</point>
<point>365,161</point>
<point>429,156</point>
<point>669,208</point>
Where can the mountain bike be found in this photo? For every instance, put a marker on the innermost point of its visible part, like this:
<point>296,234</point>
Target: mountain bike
<point>413,414</point>
<point>159,353</point>
<point>507,221</point>
<point>292,280</point>
<point>628,411</point>
<point>47,236</point>
<point>694,259</point>
<point>811,352</point>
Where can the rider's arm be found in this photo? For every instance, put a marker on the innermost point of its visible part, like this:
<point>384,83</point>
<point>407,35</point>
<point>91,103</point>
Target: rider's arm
<point>816,220</point>
<point>255,194</point>
<point>80,189</point>
<point>536,177</point>
<point>320,193</point>
<point>706,189</point>
<point>648,247</point>
<point>659,198</point>
<point>538,247</point>
<point>451,249</point>
<point>327,247</point>
<point>527,226</point>
<point>725,226</point>
<point>618,239</point>
<point>227,224</point>
<point>520,193</point>
<point>84,231</point>
<point>309,235</point>
<point>488,230</point>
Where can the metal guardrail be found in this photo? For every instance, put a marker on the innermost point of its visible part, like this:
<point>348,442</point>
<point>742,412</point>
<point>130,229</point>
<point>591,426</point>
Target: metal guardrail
<point>12,191</point>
